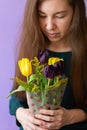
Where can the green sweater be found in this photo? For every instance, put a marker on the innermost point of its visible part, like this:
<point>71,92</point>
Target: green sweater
<point>68,98</point>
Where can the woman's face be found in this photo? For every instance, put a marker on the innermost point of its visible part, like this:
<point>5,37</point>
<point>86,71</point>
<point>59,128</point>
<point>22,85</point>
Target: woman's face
<point>55,17</point>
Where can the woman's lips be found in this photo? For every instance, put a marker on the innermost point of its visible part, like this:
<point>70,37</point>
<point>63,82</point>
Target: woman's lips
<point>53,35</point>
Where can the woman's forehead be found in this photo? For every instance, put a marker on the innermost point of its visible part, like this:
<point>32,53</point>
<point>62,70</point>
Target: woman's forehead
<point>53,5</point>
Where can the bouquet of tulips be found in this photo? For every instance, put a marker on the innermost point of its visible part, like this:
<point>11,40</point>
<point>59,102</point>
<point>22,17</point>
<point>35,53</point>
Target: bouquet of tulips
<point>45,83</point>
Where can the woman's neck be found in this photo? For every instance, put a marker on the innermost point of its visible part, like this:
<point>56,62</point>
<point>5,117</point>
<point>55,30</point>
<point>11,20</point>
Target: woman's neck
<point>63,47</point>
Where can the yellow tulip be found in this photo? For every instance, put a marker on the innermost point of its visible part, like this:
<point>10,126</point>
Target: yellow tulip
<point>53,60</point>
<point>25,66</point>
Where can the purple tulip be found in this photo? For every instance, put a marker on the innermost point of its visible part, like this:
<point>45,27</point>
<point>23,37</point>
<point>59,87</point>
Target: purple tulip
<point>43,56</point>
<point>59,66</point>
<point>49,71</point>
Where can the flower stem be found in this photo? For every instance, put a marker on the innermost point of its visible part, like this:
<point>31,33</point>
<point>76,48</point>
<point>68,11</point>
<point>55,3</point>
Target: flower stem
<point>27,79</point>
<point>48,82</point>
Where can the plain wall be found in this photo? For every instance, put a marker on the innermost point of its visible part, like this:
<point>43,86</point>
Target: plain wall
<point>11,13</point>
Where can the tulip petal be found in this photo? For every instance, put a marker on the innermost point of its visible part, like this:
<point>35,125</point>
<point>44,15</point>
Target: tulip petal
<point>25,66</point>
<point>43,56</point>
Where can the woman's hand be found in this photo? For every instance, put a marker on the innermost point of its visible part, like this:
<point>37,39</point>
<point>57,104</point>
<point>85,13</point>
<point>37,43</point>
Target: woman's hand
<point>54,119</point>
<point>49,119</point>
<point>27,120</point>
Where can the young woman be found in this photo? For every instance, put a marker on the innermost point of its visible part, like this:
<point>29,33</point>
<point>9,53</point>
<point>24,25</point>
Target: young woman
<point>60,27</point>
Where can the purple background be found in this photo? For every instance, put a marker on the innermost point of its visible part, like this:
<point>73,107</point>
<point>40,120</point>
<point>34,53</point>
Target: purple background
<point>11,12</point>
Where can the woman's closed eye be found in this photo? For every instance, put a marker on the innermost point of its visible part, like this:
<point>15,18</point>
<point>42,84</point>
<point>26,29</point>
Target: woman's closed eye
<point>60,16</point>
<point>42,16</point>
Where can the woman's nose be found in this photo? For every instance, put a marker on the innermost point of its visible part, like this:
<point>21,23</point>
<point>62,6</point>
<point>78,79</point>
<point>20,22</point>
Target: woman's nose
<point>50,24</point>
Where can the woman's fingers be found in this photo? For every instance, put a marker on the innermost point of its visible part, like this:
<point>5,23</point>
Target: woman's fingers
<point>48,112</point>
<point>35,127</point>
<point>53,119</point>
<point>45,117</point>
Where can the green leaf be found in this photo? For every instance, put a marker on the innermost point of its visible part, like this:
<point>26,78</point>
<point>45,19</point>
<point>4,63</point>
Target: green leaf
<point>20,88</point>
<point>32,77</point>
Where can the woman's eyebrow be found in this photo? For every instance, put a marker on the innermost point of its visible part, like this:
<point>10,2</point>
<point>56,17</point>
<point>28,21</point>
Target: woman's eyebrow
<point>41,12</point>
<point>59,12</point>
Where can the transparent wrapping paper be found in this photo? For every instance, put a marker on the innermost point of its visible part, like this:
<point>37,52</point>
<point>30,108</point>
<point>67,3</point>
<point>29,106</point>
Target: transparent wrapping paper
<point>51,100</point>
